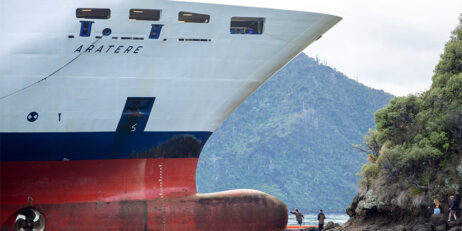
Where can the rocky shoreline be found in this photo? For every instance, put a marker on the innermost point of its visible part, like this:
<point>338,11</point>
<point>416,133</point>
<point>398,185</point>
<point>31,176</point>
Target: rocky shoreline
<point>384,211</point>
<point>437,222</point>
<point>368,212</point>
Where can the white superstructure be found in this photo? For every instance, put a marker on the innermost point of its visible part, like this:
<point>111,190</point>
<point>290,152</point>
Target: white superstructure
<point>196,83</point>
<point>119,79</point>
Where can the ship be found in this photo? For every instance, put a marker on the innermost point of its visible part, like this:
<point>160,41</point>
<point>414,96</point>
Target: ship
<point>105,107</point>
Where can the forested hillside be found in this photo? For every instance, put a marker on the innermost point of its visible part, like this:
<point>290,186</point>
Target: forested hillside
<point>415,153</point>
<point>294,137</point>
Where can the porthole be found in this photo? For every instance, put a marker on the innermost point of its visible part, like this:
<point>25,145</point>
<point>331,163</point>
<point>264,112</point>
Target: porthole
<point>32,117</point>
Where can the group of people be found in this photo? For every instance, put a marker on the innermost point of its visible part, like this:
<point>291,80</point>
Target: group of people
<point>436,210</point>
<point>299,216</point>
<point>452,210</point>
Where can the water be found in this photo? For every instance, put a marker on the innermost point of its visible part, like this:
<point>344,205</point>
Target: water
<point>311,219</point>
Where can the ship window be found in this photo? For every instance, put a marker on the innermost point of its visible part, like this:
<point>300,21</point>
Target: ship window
<point>193,17</point>
<point>246,25</point>
<point>85,28</point>
<point>93,13</point>
<point>155,31</point>
<point>145,14</point>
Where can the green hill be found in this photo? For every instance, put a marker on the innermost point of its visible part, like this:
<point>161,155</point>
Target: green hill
<point>415,153</point>
<point>294,137</point>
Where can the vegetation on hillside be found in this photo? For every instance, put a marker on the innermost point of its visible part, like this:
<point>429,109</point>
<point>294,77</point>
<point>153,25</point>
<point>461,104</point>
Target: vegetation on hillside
<point>293,138</point>
<point>415,150</point>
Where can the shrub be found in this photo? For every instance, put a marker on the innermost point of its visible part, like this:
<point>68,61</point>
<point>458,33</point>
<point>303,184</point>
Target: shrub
<point>370,170</point>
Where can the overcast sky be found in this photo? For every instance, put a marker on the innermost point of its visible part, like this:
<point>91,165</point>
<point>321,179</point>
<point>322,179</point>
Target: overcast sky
<point>392,45</point>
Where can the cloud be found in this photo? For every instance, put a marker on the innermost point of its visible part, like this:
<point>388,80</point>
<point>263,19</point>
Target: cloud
<point>387,44</point>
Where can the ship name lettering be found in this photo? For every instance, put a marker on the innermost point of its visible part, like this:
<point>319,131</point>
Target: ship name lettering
<point>121,49</point>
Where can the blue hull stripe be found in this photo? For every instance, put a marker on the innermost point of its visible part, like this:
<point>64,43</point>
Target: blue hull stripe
<point>100,145</point>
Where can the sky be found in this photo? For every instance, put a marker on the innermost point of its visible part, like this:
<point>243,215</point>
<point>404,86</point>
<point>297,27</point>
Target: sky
<point>391,45</point>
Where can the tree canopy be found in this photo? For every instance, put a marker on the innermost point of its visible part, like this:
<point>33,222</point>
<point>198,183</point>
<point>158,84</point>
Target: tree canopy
<point>418,135</point>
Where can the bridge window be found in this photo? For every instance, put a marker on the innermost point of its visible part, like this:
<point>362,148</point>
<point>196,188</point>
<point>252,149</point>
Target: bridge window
<point>93,13</point>
<point>85,28</point>
<point>145,14</point>
<point>193,17</point>
<point>155,31</point>
<point>247,25</point>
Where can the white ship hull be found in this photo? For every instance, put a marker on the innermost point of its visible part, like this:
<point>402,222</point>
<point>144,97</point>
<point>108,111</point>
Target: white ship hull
<point>196,84</point>
<point>102,120</point>
<point>198,73</point>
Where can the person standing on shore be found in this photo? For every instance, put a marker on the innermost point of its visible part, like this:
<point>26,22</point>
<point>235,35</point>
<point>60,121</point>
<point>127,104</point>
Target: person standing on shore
<point>454,208</point>
<point>299,216</point>
<point>321,218</point>
<point>436,207</point>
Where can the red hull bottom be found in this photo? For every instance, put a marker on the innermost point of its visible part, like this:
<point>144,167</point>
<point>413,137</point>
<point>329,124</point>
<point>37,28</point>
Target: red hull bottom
<point>231,210</point>
<point>141,194</point>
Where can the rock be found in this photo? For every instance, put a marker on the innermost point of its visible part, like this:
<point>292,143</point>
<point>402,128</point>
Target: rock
<point>438,219</point>
<point>311,229</point>
<point>396,228</point>
<point>452,224</point>
<point>459,168</point>
<point>369,202</point>
<point>351,208</point>
<point>424,227</point>
<point>440,227</point>
<point>329,225</point>
<point>456,228</point>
